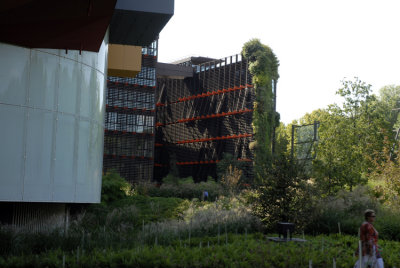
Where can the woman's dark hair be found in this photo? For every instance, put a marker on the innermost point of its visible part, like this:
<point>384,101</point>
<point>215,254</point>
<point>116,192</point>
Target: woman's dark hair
<point>368,213</point>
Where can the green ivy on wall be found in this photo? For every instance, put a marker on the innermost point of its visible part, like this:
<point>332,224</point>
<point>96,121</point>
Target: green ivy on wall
<point>263,65</point>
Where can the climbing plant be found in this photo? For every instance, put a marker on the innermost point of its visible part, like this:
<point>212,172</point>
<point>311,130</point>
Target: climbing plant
<point>263,66</point>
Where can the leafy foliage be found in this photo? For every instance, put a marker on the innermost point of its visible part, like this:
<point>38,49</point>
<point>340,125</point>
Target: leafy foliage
<point>114,187</point>
<point>263,65</point>
<point>348,136</point>
<point>389,103</point>
<point>345,208</point>
<point>181,188</point>
<point>387,174</point>
<point>284,195</point>
<point>282,142</point>
<point>227,161</point>
<point>231,179</point>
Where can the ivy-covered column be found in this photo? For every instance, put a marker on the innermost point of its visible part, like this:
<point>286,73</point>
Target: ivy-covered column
<point>263,65</point>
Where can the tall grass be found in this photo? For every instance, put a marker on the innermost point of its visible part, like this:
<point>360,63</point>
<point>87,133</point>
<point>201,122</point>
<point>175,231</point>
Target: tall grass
<point>136,221</point>
<point>207,220</point>
<point>347,209</point>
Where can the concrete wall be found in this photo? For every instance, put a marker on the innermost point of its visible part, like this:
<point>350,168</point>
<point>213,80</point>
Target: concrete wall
<point>51,124</point>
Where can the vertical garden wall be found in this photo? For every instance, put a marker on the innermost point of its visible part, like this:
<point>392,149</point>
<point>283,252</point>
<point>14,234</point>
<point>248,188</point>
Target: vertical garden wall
<point>263,66</point>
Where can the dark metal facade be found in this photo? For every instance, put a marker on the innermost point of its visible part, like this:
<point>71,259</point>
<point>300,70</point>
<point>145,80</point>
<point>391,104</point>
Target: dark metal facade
<point>129,122</point>
<point>201,117</point>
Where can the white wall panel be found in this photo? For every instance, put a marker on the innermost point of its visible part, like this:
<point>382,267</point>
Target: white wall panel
<point>44,70</point>
<point>91,58</point>
<point>86,85</point>
<point>86,185</point>
<point>64,181</point>
<point>51,113</point>
<point>98,98</point>
<point>11,152</point>
<point>38,156</point>
<point>14,74</point>
<point>69,85</point>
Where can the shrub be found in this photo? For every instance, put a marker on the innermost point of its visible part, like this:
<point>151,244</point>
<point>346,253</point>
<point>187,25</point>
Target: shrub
<point>388,224</point>
<point>185,189</point>
<point>346,208</point>
<point>386,177</point>
<point>171,179</point>
<point>228,161</point>
<point>114,187</point>
<point>230,180</point>
<point>283,195</point>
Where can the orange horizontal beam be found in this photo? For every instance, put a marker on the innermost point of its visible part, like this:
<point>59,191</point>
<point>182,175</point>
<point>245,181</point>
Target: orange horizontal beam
<point>207,94</point>
<point>206,117</point>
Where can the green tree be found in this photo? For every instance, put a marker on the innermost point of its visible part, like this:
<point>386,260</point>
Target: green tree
<point>387,174</point>
<point>389,98</point>
<point>348,138</point>
<point>282,142</point>
<point>316,115</point>
<point>284,194</point>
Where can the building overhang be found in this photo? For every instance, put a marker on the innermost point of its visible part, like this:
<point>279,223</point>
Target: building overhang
<point>72,24</point>
<point>137,22</point>
<point>172,71</point>
<point>82,24</point>
<point>194,60</point>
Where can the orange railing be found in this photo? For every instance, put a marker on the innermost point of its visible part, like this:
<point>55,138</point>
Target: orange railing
<point>158,124</point>
<point>207,94</point>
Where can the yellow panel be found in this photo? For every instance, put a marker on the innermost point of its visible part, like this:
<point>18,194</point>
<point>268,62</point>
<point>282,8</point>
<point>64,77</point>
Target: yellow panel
<point>123,60</point>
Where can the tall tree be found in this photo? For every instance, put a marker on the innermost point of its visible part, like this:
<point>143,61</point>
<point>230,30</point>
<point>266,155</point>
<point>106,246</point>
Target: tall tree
<point>348,137</point>
<point>389,98</point>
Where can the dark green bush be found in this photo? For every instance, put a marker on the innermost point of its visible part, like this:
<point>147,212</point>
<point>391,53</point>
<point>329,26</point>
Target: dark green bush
<point>283,195</point>
<point>347,209</point>
<point>388,224</point>
<point>185,189</point>
<point>114,187</point>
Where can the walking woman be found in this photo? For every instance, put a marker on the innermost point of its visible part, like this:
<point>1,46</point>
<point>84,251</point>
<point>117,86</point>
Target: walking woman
<point>371,257</point>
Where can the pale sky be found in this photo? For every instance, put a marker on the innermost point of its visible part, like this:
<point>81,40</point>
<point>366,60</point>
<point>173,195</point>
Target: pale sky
<point>318,42</point>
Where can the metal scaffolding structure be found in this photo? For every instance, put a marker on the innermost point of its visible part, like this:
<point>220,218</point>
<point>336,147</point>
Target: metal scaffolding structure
<point>304,144</point>
<point>201,117</point>
<point>129,122</point>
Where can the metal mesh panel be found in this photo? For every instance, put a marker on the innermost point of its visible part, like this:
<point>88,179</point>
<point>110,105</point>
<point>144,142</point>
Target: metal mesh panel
<point>129,122</point>
<point>199,119</point>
